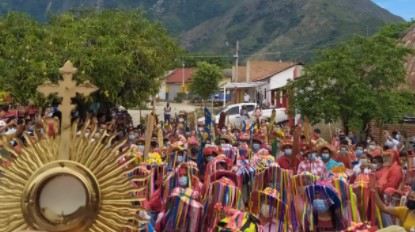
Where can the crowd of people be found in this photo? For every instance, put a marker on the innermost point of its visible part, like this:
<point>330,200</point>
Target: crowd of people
<point>258,176</point>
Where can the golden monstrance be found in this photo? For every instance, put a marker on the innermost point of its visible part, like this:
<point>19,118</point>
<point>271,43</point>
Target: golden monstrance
<point>70,182</point>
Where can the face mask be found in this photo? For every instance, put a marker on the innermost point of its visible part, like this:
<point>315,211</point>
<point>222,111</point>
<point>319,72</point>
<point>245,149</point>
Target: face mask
<point>363,161</point>
<point>181,120</point>
<point>180,158</point>
<point>325,156</point>
<point>288,152</point>
<point>256,146</point>
<point>359,152</point>
<point>410,204</point>
<point>131,138</point>
<point>312,156</point>
<point>167,144</point>
<point>236,134</point>
<point>86,135</point>
<point>209,158</point>
<point>375,166</point>
<point>140,147</point>
<point>265,211</point>
<point>320,205</point>
<point>223,131</point>
<point>343,150</point>
<point>372,147</point>
<point>183,181</point>
<point>50,115</point>
<point>31,128</point>
<point>100,130</point>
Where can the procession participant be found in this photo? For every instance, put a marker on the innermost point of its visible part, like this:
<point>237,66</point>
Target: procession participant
<point>377,166</point>
<point>193,148</point>
<point>182,178</point>
<point>287,161</point>
<point>244,151</point>
<point>327,153</point>
<point>406,214</point>
<point>392,175</point>
<point>227,149</point>
<point>316,140</point>
<point>372,149</point>
<point>312,164</point>
<point>257,141</point>
<point>345,155</point>
<point>325,213</point>
<point>363,165</point>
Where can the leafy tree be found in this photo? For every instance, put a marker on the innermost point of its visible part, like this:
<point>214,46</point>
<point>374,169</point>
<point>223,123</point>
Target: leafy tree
<point>205,80</point>
<point>355,82</point>
<point>121,52</point>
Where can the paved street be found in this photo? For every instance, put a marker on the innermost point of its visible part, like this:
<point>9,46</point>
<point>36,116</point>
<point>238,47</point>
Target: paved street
<point>175,108</point>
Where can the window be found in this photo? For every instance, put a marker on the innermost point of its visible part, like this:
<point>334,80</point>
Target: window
<point>250,108</point>
<point>233,111</point>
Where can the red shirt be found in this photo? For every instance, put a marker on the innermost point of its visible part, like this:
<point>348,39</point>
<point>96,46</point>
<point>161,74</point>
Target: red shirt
<point>285,163</point>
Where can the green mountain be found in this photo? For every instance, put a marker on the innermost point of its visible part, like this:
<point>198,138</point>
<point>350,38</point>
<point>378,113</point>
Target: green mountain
<point>266,29</point>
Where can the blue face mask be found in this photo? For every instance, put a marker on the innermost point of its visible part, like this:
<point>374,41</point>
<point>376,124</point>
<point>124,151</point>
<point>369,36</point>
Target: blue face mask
<point>320,205</point>
<point>325,156</point>
<point>209,158</point>
<point>180,158</point>
<point>256,146</point>
<point>131,138</point>
<point>312,156</point>
<point>288,152</point>
<point>359,152</point>
<point>140,147</point>
<point>183,181</point>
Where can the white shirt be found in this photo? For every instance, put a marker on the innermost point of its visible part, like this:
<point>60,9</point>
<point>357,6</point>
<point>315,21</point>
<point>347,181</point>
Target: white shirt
<point>247,98</point>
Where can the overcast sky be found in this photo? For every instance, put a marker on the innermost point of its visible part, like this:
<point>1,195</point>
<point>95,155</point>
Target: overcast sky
<point>403,8</point>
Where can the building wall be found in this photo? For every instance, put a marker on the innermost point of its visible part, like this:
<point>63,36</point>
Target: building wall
<point>162,91</point>
<point>173,90</point>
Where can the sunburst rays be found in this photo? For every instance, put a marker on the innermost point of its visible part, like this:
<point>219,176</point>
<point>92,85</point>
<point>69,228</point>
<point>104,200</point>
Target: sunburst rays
<point>116,210</point>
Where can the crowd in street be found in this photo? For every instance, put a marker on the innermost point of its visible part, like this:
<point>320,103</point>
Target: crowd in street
<point>257,176</point>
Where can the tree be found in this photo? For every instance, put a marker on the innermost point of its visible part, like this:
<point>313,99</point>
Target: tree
<point>121,52</point>
<point>356,82</point>
<point>205,81</point>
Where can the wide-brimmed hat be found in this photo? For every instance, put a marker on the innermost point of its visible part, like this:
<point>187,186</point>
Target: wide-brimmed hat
<point>227,138</point>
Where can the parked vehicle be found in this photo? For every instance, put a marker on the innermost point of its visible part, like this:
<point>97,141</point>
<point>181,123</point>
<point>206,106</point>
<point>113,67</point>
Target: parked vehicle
<point>233,114</point>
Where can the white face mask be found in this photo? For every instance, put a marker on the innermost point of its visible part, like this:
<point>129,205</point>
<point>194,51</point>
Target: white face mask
<point>223,131</point>
<point>86,135</point>
<point>265,211</point>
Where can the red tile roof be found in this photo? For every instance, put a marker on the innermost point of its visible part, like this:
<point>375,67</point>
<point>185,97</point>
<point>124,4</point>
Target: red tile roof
<point>177,75</point>
<point>260,70</point>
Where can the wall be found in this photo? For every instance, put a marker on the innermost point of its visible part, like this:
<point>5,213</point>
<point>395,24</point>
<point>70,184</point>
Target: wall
<point>162,91</point>
<point>173,90</point>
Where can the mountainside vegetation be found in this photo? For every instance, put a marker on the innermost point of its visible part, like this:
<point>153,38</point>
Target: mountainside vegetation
<point>266,29</point>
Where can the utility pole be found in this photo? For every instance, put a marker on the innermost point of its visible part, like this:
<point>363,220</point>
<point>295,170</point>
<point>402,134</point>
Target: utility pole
<point>236,62</point>
<point>183,76</point>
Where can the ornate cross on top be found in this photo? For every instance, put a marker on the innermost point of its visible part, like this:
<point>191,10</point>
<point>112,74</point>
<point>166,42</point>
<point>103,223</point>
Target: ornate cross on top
<point>66,89</point>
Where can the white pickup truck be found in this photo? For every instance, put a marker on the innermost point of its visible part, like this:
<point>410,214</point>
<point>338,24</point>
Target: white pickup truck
<point>233,114</point>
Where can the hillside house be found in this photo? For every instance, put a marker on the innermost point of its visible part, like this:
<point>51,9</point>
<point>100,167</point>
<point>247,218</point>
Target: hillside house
<point>175,80</point>
<point>263,80</point>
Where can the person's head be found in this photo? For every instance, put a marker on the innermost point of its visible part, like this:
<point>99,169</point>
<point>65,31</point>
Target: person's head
<point>288,150</point>
<point>377,163</point>
<point>256,145</point>
<point>325,154</point>
<point>343,147</point>
<point>410,201</point>
<point>403,158</point>
<point>388,158</point>
<point>183,178</point>
<point>3,110</point>
<point>371,144</point>
<point>168,104</point>
<point>311,155</point>
<point>359,150</point>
